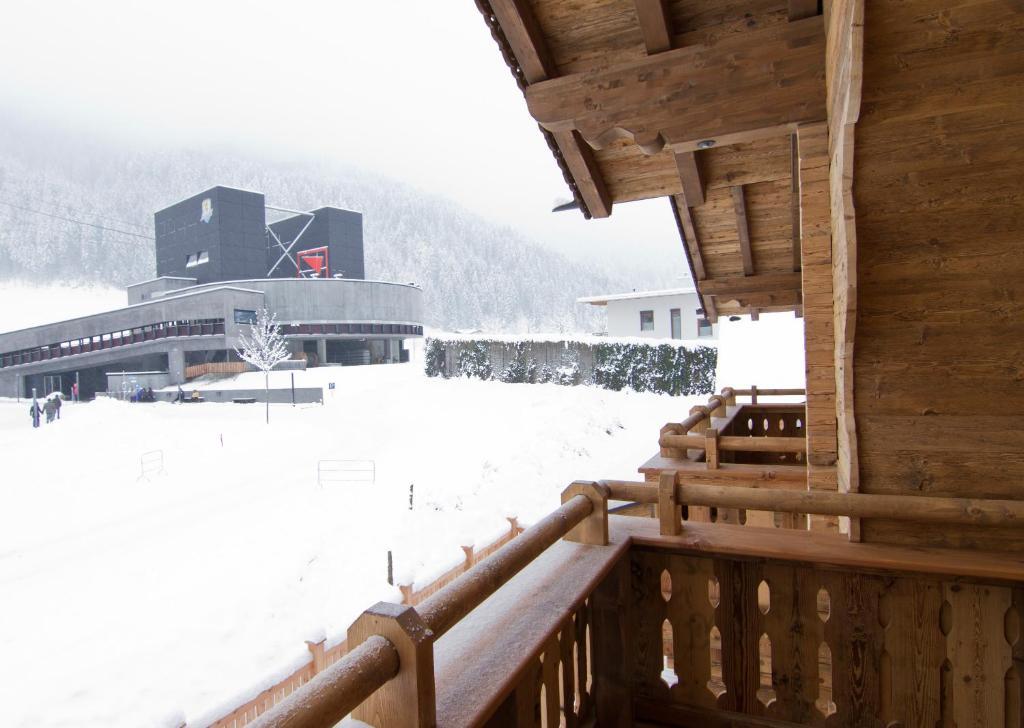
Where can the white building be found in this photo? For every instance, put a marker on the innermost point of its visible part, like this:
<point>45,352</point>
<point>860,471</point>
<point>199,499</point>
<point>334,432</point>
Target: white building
<point>669,314</point>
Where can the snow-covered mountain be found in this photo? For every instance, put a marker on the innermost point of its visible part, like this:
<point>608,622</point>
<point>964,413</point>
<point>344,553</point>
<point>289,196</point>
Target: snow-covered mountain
<point>475,274</point>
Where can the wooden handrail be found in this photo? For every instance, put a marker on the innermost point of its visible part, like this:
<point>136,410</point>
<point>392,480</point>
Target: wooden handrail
<point>769,392</point>
<point>734,443</point>
<point>444,609</point>
<point>326,699</point>
<point>956,511</point>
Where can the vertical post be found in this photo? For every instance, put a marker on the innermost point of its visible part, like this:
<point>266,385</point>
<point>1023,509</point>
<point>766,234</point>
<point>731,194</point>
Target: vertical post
<point>730,396</point>
<point>293,389</point>
<point>408,699</point>
<point>594,528</point>
<point>670,515</point>
<point>35,409</point>
<point>391,569</point>
<point>753,394</point>
<point>711,448</point>
<point>319,658</point>
<point>470,558</point>
<point>719,411</point>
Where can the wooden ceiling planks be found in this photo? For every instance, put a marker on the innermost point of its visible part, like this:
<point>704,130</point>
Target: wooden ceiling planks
<point>746,76</point>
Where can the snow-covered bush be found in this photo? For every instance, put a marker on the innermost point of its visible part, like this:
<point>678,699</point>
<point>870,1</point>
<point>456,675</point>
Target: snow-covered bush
<point>663,368</point>
<point>475,361</point>
<point>521,369</point>
<point>434,356</point>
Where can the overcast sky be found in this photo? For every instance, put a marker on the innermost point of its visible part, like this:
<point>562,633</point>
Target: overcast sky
<point>413,89</point>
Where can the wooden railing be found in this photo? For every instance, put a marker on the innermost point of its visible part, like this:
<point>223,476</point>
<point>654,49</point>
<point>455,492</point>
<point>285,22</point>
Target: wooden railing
<point>617,620</point>
<point>216,367</point>
<point>392,682</point>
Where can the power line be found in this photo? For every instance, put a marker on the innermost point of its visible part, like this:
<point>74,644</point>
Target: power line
<point>77,222</point>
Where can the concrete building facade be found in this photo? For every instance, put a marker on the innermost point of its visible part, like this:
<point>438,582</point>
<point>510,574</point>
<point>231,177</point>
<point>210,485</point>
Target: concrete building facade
<point>201,301</point>
<point>666,314</point>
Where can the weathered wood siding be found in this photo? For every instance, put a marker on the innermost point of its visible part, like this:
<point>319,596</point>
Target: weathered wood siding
<point>939,193</point>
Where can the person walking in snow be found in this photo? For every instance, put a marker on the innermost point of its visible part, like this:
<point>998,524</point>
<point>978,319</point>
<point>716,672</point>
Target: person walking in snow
<point>56,405</point>
<point>35,413</point>
<point>48,408</point>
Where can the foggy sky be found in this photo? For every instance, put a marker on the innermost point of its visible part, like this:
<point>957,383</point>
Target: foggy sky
<point>412,89</point>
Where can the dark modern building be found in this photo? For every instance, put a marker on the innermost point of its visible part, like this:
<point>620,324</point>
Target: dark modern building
<point>218,263</point>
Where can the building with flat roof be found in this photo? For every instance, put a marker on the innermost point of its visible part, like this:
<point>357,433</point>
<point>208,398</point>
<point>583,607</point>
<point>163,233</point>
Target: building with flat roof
<point>673,313</point>
<point>218,263</point>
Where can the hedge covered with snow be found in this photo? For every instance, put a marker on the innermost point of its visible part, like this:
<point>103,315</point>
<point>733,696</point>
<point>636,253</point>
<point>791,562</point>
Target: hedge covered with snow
<point>643,367</point>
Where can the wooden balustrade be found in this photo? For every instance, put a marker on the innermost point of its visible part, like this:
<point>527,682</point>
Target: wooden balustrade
<point>736,444</point>
<point>388,676</point>
<point>696,625</point>
<point>956,511</point>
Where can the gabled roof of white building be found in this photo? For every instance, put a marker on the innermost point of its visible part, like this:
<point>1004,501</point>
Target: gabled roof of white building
<point>603,300</point>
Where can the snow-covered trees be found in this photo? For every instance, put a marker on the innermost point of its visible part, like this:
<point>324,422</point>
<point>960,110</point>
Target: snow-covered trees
<point>264,347</point>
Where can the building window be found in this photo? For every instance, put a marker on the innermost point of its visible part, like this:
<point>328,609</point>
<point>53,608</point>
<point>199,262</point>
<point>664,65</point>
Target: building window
<point>195,259</point>
<point>677,323</point>
<point>704,327</point>
<point>647,320</point>
<point>245,316</point>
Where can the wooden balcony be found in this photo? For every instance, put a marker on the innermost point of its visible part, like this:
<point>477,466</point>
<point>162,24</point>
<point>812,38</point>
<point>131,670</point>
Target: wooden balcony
<point>591,619</point>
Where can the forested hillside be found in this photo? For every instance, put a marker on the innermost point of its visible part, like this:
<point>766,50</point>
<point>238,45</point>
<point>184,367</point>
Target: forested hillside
<point>474,274</point>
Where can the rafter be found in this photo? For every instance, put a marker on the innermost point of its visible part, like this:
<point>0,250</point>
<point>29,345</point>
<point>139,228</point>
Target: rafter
<point>754,84</point>
<point>689,175</point>
<point>688,232</point>
<point>739,204</point>
<point>654,25</point>
<point>579,157</point>
<point>526,40</point>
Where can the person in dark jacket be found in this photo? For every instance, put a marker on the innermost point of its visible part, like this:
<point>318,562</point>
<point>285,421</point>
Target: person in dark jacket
<point>35,413</point>
<point>56,405</point>
<point>49,409</point>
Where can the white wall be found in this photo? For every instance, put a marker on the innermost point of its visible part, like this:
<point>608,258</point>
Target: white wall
<point>624,316</point>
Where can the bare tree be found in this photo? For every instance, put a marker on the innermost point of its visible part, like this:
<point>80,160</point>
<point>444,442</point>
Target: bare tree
<point>264,348</point>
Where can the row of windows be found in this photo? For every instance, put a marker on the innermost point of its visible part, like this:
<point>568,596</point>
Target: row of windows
<point>139,334</point>
<point>307,329</point>
<point>195,327</point>
<point>676,322</point>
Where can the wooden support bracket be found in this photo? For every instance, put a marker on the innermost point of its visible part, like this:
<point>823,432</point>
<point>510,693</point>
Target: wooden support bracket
<point>594,528</point>
<point>407,700</point>
<point>670,514</point>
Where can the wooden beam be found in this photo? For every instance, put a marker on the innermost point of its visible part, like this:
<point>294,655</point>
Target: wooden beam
<point>526,41</point>
<point>800,9</point>
<point>525,38</point>
<point>689,175</point>
<point>654,25</point>
<point>754,316</point>
<point>761,283</point>
<point>844,70</point>
<point>579,157</point>
<point>739,205</point>
<point>755,83</point>
<point>689,233</point>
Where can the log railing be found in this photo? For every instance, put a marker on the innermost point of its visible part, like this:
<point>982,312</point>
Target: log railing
<point>671,495</point>
<point>694,624</point>
<point>388,676</point>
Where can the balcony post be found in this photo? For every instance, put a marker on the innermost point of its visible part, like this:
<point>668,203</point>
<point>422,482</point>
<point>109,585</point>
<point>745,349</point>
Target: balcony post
<point>670,514</point>
<point>407,700</point>
<point>594,528</point>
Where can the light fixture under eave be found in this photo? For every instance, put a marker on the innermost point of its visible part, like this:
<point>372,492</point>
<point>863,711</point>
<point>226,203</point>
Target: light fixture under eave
<point>563,206</point>
<point>705,144</point>
<point>734,318</point>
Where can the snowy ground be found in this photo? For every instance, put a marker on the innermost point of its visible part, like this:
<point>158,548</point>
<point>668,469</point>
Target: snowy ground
<point>130,602</point>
